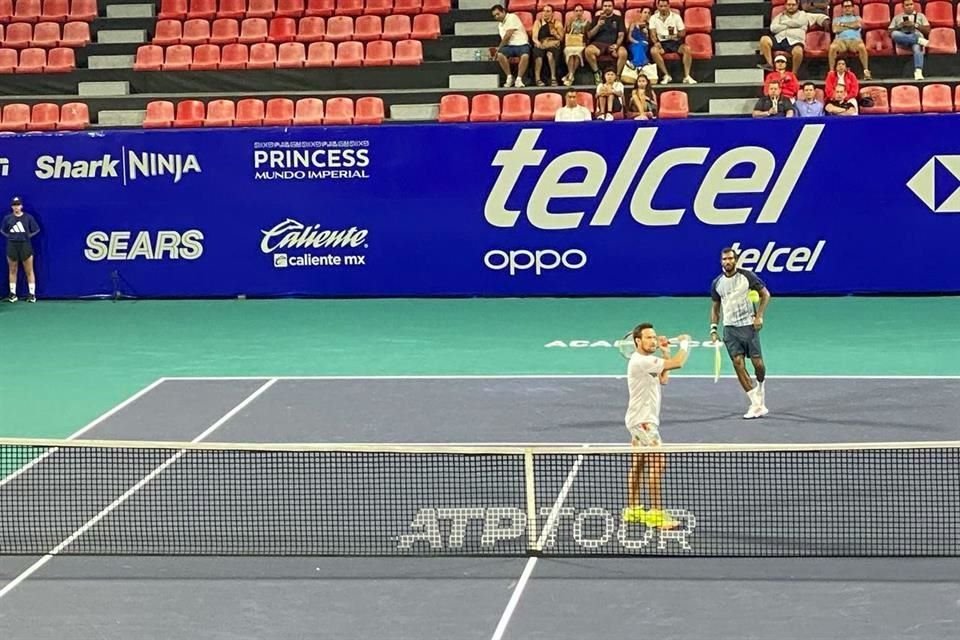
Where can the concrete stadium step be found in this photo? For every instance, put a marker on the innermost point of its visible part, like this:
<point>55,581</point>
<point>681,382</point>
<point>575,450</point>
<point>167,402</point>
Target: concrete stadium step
<point>121,36</point>
<point>738,22</point>
<point>415,112</point>
<point>466,5</point>
<point>96,89</point>
<point>131,10</point>
<point>111,62</point>
<point>735,48</point>
<point>120,118</point>
<point>476,29</point>
<point>470,54</point>
<point>738,76</point>
<point>731,106</point>
<point>474,81</point>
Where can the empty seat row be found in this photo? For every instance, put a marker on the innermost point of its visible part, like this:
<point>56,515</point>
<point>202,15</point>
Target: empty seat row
<point>209,9</point>
<point>48,11</point>
<point>695,20</point>
<point>856,2</point>
<point>252,112</point>
<point>518,107</point>
<point>266,55</point>
<point>879,15</point>
<point>621,5</point>
<point>36,60</point>
<point>44,116</point>
<point>909,98</point>
<point>337,29</point>
<point>21,35</point>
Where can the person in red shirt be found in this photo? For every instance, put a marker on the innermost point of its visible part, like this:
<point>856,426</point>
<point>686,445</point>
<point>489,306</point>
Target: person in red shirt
<point>789,85</point>
<point>841,75</point>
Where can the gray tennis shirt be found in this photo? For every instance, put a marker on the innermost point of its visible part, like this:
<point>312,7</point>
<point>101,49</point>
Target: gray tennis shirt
<point>731,292</point>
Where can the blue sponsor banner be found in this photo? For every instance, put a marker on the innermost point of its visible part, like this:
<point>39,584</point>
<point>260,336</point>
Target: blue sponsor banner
<point>852,205</point>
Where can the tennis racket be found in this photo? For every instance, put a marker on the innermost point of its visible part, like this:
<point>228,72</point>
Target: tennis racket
<point>717,360</point>
<point>627,347</point>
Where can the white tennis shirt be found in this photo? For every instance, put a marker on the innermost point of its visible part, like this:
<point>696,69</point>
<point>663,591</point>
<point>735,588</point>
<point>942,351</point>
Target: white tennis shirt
<point>643,381</point>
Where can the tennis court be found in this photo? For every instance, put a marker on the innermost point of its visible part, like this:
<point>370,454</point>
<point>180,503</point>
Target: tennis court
<point>431,376</point>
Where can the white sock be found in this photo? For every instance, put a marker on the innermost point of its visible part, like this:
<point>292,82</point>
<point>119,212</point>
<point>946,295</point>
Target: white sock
<point>13,288</point>
<point>33,288</point>
<point>754,395</point>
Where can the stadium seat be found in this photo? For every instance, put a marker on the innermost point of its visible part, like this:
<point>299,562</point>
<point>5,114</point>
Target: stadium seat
<point>236,9</point>
<point>18,35</point>
<point>558,5</point>
<point>250,113</point>
<point>516,107</point>
<point>253,30</point>
<point>202,10</point>
<point>46,35</point>
<point>876,16</point>
<point>169,32</point>
<point>368,28</point>
<point>16,117</point>
<point>698,20</point>
<point>320,54</point>
<point>61,60</point>
<point>76,34</point>
<point>159,115</point>
<point>263,55</point>
<point>879,43</point>
<point>83,10</point>
<point>311,29</point>
<point>396,27</point>
<point>220,113</point>
<point>26,11</point>
<point>432,6</point>
<point>308,111</point>
<point>169,9</point>
<point>351,8</point>
<point>32,60</point>
<point>44,117</point>
<point>454,108</point>
<point>224,31</point>
<point>545,105</point>
<point>674,104</point>
<point>937,98</point>
<point>149,58</point>
<point>701,46</point>
<point>379,53</point>
<point>940,14</point>
<point>339,111</point>
<point>339,29</point>
<point>407,7</point>
<point>942,40</point>
<point>261,8</point>
<point>349,54</point>
<point>817,44</point>
<point>74,116</point>
<point>279,112</point>
<point>585,99</point>
<point>291,55</point>
<point>956,97</point>
<point>880,102</point>
<point>190,113</point>
<point>55,11</point>
<point>322,8</point>
<point>526,19</point>
<point>409,53</point>
<point>378,8</point>
<point>426,26</point>
<point>698,3</point>
<point>513,6</point>
<point>282,30</point>
<point>369,110</point>
<point>289,9</point>
<point>485,107</point>
<point>905,98</point>
<point>178,57</point>
<point>194,32</point>
<point>234,56</point>
<point>8,60</point>
<point>206,57</point>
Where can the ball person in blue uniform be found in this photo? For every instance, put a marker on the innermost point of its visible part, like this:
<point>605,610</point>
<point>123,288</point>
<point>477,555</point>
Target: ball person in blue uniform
<point>19,228</point>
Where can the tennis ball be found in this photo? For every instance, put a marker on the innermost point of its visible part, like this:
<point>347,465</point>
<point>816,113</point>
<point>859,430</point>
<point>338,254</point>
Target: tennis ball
<point>753,296</point>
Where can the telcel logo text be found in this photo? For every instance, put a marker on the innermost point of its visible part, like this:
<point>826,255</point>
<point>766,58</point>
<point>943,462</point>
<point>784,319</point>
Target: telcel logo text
<point>775,259</point>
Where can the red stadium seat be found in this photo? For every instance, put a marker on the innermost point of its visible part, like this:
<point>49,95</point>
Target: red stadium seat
<point>322,8</point>
<point>526,19</point>
<point>279,112</point>
<point>8,60</point>
<point>698,3</point>
<point>19,35</point>
<point>202,10</point>
<point>698,20</point>
<point>61,60</point>
<point>438,7</point>
<point>514,6</point>
<point>308,111</point>
<point>195,32</point>
<point>339,29</point>
<point>206,57</point>
<point>76,34</point>
<point>263,55</point>
<point>282,30</point>
<point>83,10</point>
<point>159,115</point>
<point>407,7</point>
<point>426,26</point>
<point>6,10</point>
<point>674,104</point>
<point>55,11</point>
<point>178,57</point>
<point>236,9</point>
<point>349,54</point>
<point>169,10</point>
<point>879,43</point>
<point>26,11</point>
<point>516,107</point>
<point>339,111</point>
<point>369,111</point>
<point>261,8</point>
<point>190,113</point>
<point>940,14</point>
<point>556,4</point>
<point>220,113</point>
<point>937,98</point>
<point>876,16</point>
<point>942,40</point>
<point>545,105</point>
<point>379,54</point>
<point>320,54</point>
<point>32,60</point>
<point>817,44</point>
<point>250,113</point>
<point>701,46</point>
<point>149,58</point>
<point>167,32</point>
<point>905,99</point>
<point>585,99</point>
<point>16,117</point>
<point>234,56</point>
<point>485,107</point>
<point>378,7</point>
<point>46,35</point>
<point>880,102</point>
<point>224,31</point>
<point>956,97</point>
<point>44,117</point>
<point>311,29</point>
<point>352,8</point>
<point>368,28</point>
<point>396,27</point>
<point>409,53</point>
<point>253,30</point>
<point>289,8</point>
<point>291,55</point>
<point>74,116</point>
<point>454,108</point>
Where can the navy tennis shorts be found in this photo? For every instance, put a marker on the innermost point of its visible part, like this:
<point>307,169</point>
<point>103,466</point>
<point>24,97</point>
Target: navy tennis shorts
<point>742,341</point>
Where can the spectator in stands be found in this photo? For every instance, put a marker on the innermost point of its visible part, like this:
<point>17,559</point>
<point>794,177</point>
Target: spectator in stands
<point>815,6</point>
<point>841,105</point>
<point>573,111</point>
<point>789,31</point>
<point>846,28</point>
<point>789,85</point>
<point>609,96</point>
<point>773,104</point>
<point>606,38</point>
<point>574,43</point>
<point>808,105</point>
<point>841,77</point>
<point>667,32</point>
<point>638,40</point>
<point>910,30</point>
<point>643,102</point>
<point>514,43</point>
<point>547,42</point>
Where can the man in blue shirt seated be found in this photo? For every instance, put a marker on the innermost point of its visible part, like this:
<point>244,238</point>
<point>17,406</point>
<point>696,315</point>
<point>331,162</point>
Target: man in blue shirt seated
<point>807,104</point>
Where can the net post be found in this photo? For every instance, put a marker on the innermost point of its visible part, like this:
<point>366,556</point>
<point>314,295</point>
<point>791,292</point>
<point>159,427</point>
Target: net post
<point>531,499</point>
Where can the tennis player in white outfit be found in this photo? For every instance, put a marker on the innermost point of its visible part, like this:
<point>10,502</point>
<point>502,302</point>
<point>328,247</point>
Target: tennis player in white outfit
<point>646,373</point>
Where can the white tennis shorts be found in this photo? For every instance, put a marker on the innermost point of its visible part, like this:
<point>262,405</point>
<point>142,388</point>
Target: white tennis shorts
<point>646,434</point>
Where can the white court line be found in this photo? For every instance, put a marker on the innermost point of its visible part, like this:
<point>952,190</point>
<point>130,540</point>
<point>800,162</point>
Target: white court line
<point>129,492</point>
<point>558,376</point>
<point>90,425</point>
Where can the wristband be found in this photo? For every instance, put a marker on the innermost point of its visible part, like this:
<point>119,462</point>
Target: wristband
<point>713,328</point>
<point>684,345</point>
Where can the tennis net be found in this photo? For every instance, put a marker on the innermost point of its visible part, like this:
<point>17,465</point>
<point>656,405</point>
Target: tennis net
<point>163,498</point>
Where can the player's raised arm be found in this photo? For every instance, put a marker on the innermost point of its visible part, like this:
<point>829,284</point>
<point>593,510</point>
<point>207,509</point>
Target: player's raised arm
<point>678,359</point>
